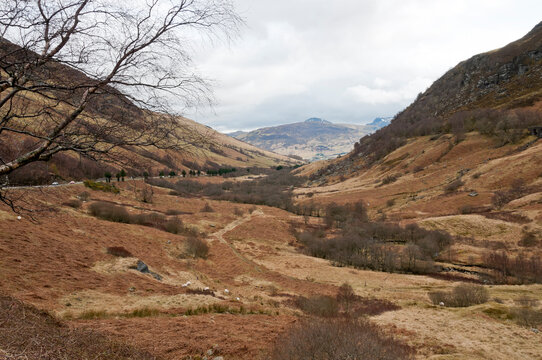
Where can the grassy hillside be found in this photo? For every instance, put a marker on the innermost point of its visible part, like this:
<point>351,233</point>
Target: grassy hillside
<point>183,144</point>
<point>496,93</point>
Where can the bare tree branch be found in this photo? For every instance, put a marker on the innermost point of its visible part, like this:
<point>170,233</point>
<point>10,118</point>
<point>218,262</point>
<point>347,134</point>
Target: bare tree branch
<point>92,76</point>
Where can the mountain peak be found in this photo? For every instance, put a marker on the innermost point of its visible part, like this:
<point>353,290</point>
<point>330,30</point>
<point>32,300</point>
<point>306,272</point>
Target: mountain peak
<point>380,122</point>
<point>317,121</point>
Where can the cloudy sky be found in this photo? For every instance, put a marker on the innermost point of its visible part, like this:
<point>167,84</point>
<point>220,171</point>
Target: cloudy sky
<point>347,61</point>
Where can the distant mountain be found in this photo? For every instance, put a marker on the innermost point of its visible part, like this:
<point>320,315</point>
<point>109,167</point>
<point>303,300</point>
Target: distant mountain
<point>380,122</point>
<point>312,139</point>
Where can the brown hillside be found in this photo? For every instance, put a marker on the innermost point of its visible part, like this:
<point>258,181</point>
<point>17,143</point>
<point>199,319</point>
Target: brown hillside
<point>497,93</point>
<point>62,264</point>
<point>193,146</point>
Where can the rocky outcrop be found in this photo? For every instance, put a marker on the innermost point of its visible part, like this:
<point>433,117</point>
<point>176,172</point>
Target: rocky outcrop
<point>491,79</point>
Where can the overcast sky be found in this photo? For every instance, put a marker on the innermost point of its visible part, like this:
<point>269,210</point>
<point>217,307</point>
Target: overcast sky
<point>347,61</point>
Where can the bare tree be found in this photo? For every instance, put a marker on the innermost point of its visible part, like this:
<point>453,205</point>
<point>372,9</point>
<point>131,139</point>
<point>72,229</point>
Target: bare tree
<point>95,76</point>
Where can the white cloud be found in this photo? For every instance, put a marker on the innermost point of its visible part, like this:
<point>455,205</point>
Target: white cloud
<point>348,60</point>
<point>383,94</point>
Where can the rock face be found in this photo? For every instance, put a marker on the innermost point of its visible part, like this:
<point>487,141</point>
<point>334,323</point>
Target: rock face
<point>508,76</point>
<point>313,139</point>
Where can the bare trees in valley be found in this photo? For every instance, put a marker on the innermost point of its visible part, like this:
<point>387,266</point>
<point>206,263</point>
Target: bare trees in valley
<point>92,76</point>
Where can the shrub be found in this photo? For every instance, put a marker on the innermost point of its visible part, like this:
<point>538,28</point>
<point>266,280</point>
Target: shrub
<point>338,339</point>
<point>527,316</point>
<point>74,203</point>
<point>197,248</point>
<point>529,239</point>
<point>463,295</point>
<point>476,175</point>
<point>468,294</point>
<point>119,251</point>
<point>174,212</point>
<point>454,186</point>
<point>174,226</point>
<point>390,202</point>
<point>417,169</point>
<point>319,305</point>
<point>108,211</point>
<point>101,186</point>
<point>207,208</point>
<point>390,179</point>
<point>152,219</point>
<point>501,198</point>
<point>238,211</point>
<point>346,297</point>
<point>466,209</point>
<point>146,194</point>
<point>84,196</point>
<point>526,301</point>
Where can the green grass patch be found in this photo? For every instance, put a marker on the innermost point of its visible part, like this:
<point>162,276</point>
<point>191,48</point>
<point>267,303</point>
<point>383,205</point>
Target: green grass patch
<point>100,186</point>
<point>144,312</point>
<point>93,315</point>
<point>224,309</point>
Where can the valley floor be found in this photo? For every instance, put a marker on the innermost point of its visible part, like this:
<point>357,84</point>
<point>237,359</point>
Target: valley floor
<point>254,269</point>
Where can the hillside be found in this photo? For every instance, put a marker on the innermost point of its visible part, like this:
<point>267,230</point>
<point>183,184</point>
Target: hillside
<point>314,139</point>
<point>497,93</point>
<point>185,144</point>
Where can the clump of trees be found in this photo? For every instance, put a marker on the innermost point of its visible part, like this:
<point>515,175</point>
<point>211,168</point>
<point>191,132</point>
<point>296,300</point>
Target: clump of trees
<point>344,304</point>
<point>118,213</point>
<point>273,190</point>
<point>220,171</point>
<point>379,246</point>
<point>524,268</point>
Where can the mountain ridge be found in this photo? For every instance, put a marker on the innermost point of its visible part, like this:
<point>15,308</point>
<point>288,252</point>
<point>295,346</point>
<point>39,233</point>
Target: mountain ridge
<point>312,139</point>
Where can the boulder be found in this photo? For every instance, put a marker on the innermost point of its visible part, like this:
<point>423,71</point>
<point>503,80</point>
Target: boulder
<point>142,267</point>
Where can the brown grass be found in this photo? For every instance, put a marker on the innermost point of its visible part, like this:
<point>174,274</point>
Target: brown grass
<point>119,251</point>
<point>27,333</point>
